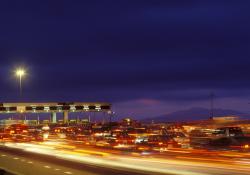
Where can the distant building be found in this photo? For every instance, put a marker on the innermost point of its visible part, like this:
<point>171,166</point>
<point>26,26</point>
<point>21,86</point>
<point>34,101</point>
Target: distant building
<point>226,119</point>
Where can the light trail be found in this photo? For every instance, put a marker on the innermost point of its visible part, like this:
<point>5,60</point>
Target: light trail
<point>182,165</point>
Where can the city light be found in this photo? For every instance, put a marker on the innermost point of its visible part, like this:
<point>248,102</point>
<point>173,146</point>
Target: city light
<point>20,72</point>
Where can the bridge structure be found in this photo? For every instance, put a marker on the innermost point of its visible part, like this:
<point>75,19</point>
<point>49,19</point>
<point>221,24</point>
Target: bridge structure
<point>55,107</point>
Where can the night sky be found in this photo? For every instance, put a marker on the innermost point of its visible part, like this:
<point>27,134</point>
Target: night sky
<point>146,57</point>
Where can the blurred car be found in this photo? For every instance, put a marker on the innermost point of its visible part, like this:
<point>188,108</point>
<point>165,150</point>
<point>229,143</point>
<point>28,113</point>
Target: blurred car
<point>78,137</point>
<point>161,141</point>
<point>180,139</point>
<point>4,136</point>
<point>36,136</point>
<point>18,129</point>
<point>228,132</point>
<point>125,139</point>
<point>106,142</point>
<point>60,130</point>
<point>21,138</point>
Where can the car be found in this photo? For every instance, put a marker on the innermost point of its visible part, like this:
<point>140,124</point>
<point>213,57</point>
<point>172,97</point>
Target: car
<point>106,142</point>
<point>4,136</point>
<point>180,138</point>
<point>228,132</point>
<point>21,138</point>
<point>36,136</point>
<point>161,141</point>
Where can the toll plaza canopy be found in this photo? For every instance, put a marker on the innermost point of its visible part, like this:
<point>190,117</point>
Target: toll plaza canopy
<point>54,107</point>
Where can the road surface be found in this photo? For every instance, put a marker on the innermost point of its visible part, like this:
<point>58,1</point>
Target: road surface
<point>63,157</point>
<point>17,161</point>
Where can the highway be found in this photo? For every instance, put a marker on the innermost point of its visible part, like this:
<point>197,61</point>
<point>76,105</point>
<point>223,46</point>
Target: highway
<point>25,164</point>
<point>20,158</point>
<point>19,162</point>
<point>67,157</point>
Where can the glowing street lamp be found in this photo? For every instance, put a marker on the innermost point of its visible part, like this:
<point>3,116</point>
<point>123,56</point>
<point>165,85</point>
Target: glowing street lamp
<point>20,73</point>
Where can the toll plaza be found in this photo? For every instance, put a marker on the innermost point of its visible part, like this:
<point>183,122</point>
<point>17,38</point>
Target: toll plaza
<point>55,107</point>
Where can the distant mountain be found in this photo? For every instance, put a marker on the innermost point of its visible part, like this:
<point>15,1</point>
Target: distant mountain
<point>194,114</point>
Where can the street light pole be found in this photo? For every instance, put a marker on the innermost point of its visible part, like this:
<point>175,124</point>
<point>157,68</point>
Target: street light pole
<point>20,73</point>
<point>20,84</point>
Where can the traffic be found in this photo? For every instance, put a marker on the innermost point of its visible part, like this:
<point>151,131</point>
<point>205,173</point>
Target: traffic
<point>130,135</point>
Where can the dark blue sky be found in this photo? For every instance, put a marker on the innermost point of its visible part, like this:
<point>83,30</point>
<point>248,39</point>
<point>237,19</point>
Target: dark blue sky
<point>145,57</point>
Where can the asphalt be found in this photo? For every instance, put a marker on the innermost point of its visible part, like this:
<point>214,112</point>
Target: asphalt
<point>4,172</point>
<point>64,157</point>
<point>18,162</point>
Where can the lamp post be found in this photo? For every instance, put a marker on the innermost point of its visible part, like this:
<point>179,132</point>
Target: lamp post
<point>20,73</point>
